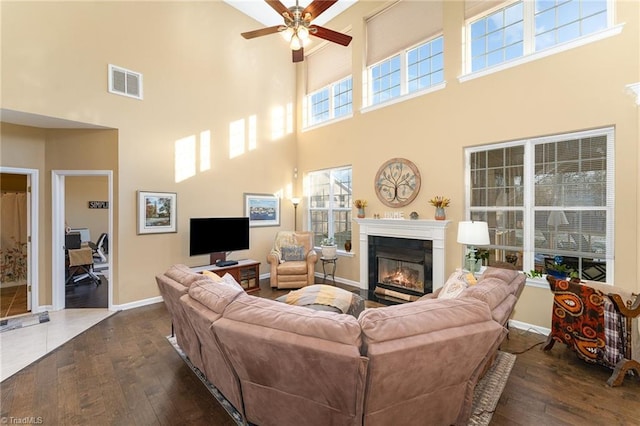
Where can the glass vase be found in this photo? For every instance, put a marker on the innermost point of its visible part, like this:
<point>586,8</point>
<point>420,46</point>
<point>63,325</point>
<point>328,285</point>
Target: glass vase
<point>440,213</point>
<point>361,212</point>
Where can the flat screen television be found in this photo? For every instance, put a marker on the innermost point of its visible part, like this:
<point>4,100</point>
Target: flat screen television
<point>216,236</point>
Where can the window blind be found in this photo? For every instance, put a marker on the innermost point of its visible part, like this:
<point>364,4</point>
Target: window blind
<point>327,65</point>
<point>401,25</point>
<point>476,7</point>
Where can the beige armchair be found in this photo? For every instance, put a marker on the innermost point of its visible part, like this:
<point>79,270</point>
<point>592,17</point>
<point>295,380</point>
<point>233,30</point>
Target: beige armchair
<point>292,260</point>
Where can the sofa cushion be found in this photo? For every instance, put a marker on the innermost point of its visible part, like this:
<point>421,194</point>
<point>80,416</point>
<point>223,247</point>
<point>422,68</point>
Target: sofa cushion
<point>490,290</point>
<point>456,284</point>
<point>183,274</point>
<point>294,319</point>
<point>420,317</point>
<point>292,252</point>
<point>215,295</point>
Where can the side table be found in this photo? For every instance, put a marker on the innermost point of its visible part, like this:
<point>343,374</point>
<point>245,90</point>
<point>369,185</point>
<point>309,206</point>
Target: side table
<point>331,261</point>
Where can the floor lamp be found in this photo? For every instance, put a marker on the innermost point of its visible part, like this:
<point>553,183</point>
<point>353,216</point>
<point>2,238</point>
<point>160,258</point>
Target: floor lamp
<point>295,201</point>
<point>473,233</point>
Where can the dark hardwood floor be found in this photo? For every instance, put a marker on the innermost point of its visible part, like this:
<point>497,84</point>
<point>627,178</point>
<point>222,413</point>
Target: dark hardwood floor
<point>124,372</point>
<point>13,301</point>
<point>86,294</point>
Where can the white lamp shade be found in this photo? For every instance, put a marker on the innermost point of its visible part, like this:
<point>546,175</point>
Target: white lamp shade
<point>295,201</point>
<point>473,233</point>
<point>557,218</point>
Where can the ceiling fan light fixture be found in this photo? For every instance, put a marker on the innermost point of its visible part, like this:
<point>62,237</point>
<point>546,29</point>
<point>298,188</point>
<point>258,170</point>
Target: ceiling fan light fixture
<point>296,43</point>
<point>303,33</point>
<point>287,33</point>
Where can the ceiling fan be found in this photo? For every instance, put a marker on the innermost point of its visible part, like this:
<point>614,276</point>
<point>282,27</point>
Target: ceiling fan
<point>297,26</point>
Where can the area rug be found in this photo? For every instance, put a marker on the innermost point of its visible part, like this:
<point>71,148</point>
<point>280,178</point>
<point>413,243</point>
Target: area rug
<point>23,321</point>
<point>485,398</point>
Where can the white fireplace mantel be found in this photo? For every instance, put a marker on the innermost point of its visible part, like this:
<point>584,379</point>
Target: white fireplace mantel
<point>434,230</point>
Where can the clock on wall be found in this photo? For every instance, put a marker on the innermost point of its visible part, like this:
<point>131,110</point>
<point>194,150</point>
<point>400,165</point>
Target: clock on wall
<point>397,182</point>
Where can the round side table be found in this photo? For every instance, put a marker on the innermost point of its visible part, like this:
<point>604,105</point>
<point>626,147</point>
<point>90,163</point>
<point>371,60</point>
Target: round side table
<point>331,262</point>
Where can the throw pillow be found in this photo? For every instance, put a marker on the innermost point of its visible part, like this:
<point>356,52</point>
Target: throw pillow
<point>291,253</point>
<point>456,284</point>
<point>214,277</point>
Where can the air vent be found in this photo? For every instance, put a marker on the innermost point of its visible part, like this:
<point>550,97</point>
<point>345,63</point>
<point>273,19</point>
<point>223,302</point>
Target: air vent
<point>125,82</point>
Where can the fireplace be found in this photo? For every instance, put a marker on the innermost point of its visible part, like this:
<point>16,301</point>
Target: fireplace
<point>400,265</point>
<point>410,260</point>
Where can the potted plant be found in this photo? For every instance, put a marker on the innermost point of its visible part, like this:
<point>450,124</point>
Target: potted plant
<point>360,205</point>
<point>440,202</point>
<point>560,270</point>
<point>328,247</point>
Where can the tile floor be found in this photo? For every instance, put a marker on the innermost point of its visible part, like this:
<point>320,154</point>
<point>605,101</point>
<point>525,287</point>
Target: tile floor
<point>21,347</point>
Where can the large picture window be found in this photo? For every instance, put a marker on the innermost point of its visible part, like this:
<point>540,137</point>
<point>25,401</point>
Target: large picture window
<point>522,28</point>
<point>329,200</point>
<point>547,201</point>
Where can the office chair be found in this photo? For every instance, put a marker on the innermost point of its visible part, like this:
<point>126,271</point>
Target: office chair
<point>100,248</point>
<point>79,260</point>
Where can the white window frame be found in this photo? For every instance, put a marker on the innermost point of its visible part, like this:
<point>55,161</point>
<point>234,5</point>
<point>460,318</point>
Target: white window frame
<point>367,93</point>
<point>331,207</point>
<point>529,54</point>
<point>307,115</point>
<point>529,208</point>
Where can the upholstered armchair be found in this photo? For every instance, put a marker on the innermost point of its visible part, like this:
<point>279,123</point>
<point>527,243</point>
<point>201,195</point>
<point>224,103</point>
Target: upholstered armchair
<point>292,260</point>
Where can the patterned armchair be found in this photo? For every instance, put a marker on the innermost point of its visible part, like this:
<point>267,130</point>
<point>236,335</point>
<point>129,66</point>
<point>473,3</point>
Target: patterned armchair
<point>292,260</point>
<point>597,324</point>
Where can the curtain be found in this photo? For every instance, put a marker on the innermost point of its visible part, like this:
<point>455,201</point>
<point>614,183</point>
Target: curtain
<point>13,236</point>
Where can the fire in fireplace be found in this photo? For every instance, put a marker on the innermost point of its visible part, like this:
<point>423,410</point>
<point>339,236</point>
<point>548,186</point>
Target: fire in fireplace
<point>400,267</point>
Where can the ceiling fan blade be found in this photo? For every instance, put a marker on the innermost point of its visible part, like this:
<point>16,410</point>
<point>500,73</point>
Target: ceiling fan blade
<point>278,6</point>
<point>261,32</point>
<point>297,55</point>
<point>316,7</point>
<point>327,34</point>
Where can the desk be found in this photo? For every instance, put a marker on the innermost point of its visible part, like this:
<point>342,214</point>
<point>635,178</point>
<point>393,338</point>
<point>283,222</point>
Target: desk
<point>246,272</point>
<point>331,261</point>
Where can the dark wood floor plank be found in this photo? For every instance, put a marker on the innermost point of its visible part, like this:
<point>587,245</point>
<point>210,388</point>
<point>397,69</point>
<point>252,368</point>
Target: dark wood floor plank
<point>123,371</point>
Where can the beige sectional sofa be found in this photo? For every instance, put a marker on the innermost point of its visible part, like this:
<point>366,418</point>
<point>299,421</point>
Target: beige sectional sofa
<point>414,363</point>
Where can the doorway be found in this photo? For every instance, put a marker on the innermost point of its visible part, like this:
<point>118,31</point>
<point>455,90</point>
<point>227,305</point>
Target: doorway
<point>82,204</point>
<point>18,240</point>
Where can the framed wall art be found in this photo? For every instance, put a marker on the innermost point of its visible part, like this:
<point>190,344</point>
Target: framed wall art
<point>157,212</point>
<point>262,209</point>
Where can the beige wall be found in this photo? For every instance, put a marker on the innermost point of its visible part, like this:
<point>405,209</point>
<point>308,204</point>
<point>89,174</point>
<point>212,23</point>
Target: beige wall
<point>579,89</point>
<point>199,75</point>
<point>79,190</point>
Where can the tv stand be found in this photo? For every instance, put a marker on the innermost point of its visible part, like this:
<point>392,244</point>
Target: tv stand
<point>246,272</point>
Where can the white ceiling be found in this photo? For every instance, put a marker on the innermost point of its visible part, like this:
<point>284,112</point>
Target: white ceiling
<point>265,14</point>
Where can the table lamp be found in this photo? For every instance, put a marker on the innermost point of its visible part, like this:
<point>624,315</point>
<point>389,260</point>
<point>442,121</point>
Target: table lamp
<point>473,233</point>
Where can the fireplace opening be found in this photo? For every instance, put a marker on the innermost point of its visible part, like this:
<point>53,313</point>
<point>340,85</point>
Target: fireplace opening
<point>400,269</point>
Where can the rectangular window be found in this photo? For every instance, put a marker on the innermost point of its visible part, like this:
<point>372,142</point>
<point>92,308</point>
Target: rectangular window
<point>332,101</point>
<point>425,65</point>
<point>561,21</point>
<point>501,35</point>
<point>410,71</point>
<point>329,201</point>
<point>547,201</point>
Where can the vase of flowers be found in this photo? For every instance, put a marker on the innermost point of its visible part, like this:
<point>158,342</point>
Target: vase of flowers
<point>360,205</point>
<point>440,202</point>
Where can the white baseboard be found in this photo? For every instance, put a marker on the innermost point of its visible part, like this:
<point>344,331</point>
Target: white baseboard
<point>137,304</point>
<point>529,327</point>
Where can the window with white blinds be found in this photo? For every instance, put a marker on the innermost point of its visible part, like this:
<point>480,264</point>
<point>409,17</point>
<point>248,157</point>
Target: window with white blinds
<point>547,201</point>
<point>404,24</point>
<point>329,84</point>
<point>405,51</point>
